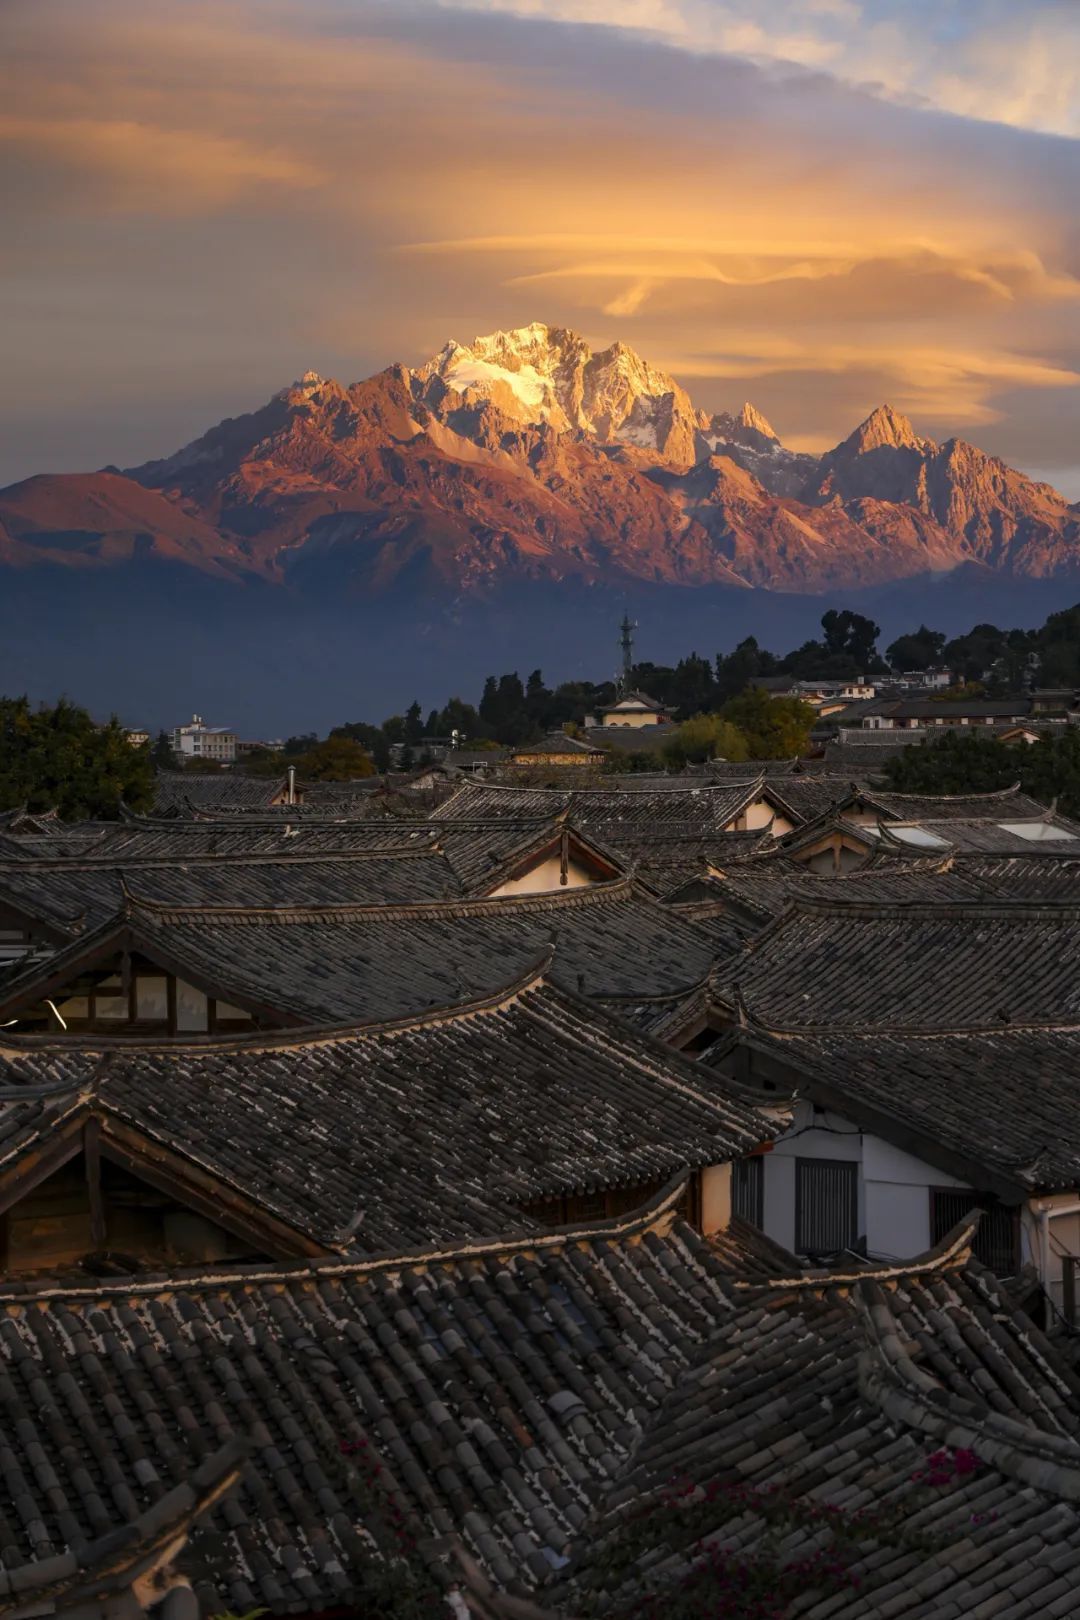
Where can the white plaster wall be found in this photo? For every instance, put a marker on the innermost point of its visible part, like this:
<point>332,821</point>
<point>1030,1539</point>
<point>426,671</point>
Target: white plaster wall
<point>897,1199</point>
<point>1064,1236</point>
<point>547,876</point>
<point>894,1196</point>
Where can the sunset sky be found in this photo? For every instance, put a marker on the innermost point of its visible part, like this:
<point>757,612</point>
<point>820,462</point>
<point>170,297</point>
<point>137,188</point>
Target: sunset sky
<point>814,204</point>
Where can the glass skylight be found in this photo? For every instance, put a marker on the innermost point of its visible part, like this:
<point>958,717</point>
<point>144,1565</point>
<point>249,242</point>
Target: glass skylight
<point>920,837</point>
<point>1036,832</point>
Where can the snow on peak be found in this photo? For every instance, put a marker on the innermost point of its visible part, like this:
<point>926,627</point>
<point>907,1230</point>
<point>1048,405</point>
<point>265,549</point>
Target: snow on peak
<point>308,384</point>
<point>748,427</point>
<point>550,374</point>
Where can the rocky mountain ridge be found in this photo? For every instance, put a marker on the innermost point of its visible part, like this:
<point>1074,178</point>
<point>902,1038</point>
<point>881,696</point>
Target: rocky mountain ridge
<point>527,455</point>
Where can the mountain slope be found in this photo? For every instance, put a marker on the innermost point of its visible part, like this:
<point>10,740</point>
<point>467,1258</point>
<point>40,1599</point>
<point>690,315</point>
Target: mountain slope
<point>527,456</point>
<point>1006,520</point>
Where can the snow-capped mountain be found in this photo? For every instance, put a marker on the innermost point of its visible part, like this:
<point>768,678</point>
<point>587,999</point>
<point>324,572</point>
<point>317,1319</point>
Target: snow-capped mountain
<point>547,374</point>
<point>527,455</point>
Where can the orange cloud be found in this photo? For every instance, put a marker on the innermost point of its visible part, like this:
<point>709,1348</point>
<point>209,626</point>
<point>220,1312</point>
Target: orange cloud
<point>150,167</point>
<point>329,182</point>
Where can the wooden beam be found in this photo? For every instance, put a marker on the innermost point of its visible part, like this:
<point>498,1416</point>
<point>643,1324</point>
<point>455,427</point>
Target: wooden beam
<point>92,1155</point>
<point>198,1191</point>
<point>34,1167</point>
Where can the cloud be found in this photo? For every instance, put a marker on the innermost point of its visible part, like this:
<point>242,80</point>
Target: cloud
<point>142,166</point>
<point>989,59</point>
<point>936,383</point>
<point>202,200</point>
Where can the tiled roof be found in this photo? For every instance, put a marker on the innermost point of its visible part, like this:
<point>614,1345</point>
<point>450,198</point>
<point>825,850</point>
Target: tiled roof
<point>1009,804</point>
<point>1002,1103</point>
<point>436,1129</point>
<point>633,701</point>
<point>612,941</point>
<point>1035,836</point>
<point>610,814</point>
<point>839,1395</point>
<point>181,790</point>
<point>667,860</point>
<point>86,895</point>
<point>842,963</point>
<point>805,798</point>
<point>867,756</point>
<point>500,1388</point>
<point>730,770</point>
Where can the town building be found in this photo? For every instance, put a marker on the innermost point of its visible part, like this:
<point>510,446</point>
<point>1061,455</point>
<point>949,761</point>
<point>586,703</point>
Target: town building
<point>635,709</point>
<point>395,1191</point>
<point>559,748</point>
<point>196,740</point>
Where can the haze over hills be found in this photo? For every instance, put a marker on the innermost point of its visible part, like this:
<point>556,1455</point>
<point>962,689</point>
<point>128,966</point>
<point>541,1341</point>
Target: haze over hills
<point>519,492</point>
<point>527,455</point>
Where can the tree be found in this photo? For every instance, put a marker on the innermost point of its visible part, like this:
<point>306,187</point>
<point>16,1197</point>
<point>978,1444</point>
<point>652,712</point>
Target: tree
<point>371,738</point>
<point>972,656</point>
<point>964,762</point>
<point>692,689</point>
<point>848,649</point>
<point>773,728</point>
<point>958,762</point>
<point>1057,647</point>
<point>538,702</point>
<point>958,693</point>
<point>162,757</point>
<point>338,759</point>
<point>740,668</point>
<point>920,649</point>
<point>705,736</point>
<point>851,635</point>
<point>300,744</point>
<point>414,722</point>
<point>58,758</point>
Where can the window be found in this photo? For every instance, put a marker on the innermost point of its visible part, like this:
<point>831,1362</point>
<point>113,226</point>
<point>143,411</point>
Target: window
<point>111,1001</point>
<point>826,1205</point>
<point>1036,832</point>
<point>152,999</point>
<point>920,837</point>
<point>191,1009</point>
<point>997,1241</point>
<point>748,1189</point>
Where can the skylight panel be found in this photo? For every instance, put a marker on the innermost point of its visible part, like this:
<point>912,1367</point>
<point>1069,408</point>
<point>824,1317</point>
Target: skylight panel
<point>1036,832</point>
<point>919,837</point>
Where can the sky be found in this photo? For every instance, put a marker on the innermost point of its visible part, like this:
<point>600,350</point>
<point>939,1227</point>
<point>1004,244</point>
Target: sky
<point>817,205</point>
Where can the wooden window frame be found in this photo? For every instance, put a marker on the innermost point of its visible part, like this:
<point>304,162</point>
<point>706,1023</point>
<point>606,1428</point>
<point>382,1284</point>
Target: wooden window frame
<point>804,1167</point>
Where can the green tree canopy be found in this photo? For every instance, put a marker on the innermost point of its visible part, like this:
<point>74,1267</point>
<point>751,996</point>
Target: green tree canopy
<point>705,736</point>
<point>162,757</point>
<point>920,649</point>
<point>967,763</point>
<point>60,758</point>
<point>773,728</point>
<point>338,759</point>
<point>737,670</point>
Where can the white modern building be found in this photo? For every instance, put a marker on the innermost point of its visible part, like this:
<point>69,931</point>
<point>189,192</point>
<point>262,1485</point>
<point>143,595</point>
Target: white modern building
<point>197,740</point>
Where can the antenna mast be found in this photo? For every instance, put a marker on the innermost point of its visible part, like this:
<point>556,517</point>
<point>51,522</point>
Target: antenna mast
<point>626,642</point>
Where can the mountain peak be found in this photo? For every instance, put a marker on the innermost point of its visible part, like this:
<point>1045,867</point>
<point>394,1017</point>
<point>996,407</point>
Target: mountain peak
<point>310,383</point>
<point>550,374</point>
<point>883,428</point>
<point>751,418</point>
